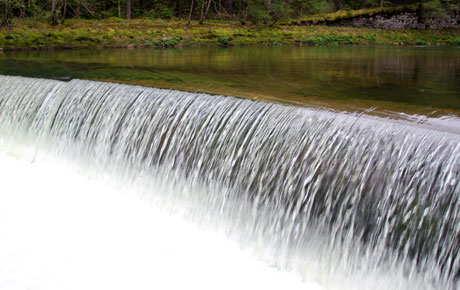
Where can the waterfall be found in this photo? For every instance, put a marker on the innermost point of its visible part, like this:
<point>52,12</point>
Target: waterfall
<point>358,196</point>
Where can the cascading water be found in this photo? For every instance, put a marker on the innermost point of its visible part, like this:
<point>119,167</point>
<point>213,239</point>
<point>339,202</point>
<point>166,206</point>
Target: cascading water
<point>316,192</point>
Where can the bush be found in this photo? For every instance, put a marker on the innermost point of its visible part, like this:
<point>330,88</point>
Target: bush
<point>115,19</point>
<point>165,42</point>
<point>160,12</point>
<point>279,10</point>
<point>166,13</point>
<point>455,41</point>
<point>316,7</point>
<point>223,40</point>
<point>257,14</point>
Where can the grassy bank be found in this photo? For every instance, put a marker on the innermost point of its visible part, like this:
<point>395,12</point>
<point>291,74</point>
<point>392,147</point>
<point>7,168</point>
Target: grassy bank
<point>114,32</point>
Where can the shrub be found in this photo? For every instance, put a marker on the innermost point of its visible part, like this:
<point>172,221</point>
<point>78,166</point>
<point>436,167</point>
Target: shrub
<point>114,19</point>
<point>166,13</point>
<point>455,41</point>
<point>160,12</point>
<point>167,42</point>
<point>257,14</point>
<point>223,40</point>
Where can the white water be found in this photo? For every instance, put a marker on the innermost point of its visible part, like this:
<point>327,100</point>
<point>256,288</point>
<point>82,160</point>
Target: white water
<point>343,202</point>
<point>60,230</point>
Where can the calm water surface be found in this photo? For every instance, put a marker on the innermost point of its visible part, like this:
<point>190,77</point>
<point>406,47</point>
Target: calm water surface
<point>418,84</point>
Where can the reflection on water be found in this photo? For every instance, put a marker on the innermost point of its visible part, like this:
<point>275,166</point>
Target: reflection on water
<point>417,84</point>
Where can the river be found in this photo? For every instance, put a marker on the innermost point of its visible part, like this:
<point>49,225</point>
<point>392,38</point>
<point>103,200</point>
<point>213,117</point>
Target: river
<point>353,184</point>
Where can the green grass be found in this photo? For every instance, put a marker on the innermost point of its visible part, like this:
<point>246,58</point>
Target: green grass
<point>27,34</point>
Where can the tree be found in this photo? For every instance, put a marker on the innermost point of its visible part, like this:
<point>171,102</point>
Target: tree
<point>228,6</point>
<point>255,11</point>
<point>128,9</point>
<point>268,4</point>
<point>54,12</point>
<point>5,10</point>
<point>191,11</point>
<point>204,10</point>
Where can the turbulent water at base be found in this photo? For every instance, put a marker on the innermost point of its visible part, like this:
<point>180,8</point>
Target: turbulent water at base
<point>371,204</point>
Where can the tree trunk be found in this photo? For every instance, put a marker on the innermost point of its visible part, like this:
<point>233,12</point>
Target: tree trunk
<point>128,9</point>
<point>381,3</point>
<point>191,11</point>
<point>78,9</point>
<point>177,8</point>
<point>54,17</point>
<point>5,13</point>
<point>142,6</point>
<point>64,12</point>
<point>22,9</point>
<point>269,6</point>
<point>204,10</point>
<point>119,9</point>
<point>228,6</point>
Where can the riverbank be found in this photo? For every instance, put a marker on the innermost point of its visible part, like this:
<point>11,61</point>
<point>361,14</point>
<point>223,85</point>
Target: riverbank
<point>33,34</point>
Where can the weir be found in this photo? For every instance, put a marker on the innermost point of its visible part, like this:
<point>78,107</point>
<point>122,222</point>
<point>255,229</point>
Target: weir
<point>359,197</point>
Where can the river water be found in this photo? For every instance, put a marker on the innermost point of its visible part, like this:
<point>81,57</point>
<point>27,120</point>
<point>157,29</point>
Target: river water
<point>419,84</point>
<point>328,197</point>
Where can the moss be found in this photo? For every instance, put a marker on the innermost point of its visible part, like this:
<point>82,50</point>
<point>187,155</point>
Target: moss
<point>348,14</point>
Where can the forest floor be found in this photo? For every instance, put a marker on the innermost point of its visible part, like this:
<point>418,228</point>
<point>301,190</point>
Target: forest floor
<point>28,34</point>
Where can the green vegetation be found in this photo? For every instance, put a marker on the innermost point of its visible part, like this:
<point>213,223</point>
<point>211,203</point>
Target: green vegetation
<point>115,32</point>
<point>68,24</point>
<point>266,12</point>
